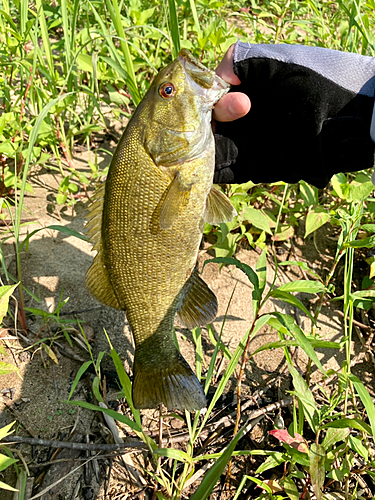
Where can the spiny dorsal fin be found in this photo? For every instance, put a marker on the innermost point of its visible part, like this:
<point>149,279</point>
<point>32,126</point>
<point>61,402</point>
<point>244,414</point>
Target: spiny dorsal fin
<point>218,207</point>
<point>198,302</point>
<point>97,278</point>
<point>177,196</point>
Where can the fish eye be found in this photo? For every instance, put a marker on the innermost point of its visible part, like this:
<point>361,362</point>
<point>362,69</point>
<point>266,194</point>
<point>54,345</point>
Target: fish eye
<point>167,90</point>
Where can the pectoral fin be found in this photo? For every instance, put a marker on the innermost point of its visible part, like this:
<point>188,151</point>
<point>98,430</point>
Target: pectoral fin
<point>218,207</point>
<point>198,302</point>
<point>177,196</point>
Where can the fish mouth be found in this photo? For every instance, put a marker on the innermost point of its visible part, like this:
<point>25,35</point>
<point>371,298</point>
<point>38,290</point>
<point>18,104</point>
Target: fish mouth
<point>203,81</point>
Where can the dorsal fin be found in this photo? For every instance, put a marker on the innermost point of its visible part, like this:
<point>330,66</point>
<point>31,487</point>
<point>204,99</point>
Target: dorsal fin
<point>177,196</point>
<point>218,207</point>
<point>198,302</point>
<point>97,277</point>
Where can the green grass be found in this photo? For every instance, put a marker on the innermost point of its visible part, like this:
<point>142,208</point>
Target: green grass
<point>60,62</point>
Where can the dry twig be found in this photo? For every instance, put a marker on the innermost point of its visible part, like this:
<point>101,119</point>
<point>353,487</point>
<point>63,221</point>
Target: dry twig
<point>74,446</point>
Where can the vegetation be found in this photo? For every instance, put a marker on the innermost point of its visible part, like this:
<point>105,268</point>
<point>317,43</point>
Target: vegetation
<point>62,63</point>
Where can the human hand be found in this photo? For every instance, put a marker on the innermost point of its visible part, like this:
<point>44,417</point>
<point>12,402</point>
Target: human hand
<point>311,114</point>
<point>235,104</point>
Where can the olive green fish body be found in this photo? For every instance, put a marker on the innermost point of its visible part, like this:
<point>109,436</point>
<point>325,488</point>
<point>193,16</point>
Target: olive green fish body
<point>156,200</point>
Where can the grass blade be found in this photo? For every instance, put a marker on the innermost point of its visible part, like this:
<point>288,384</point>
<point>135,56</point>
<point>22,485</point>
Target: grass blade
<point>174,28</point>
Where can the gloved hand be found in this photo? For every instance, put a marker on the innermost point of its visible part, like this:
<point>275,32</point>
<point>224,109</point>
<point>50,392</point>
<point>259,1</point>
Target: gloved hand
<point>310,117</point>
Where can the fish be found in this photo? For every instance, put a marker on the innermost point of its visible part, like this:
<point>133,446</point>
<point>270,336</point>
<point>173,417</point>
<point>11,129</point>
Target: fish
<point>146,225</point>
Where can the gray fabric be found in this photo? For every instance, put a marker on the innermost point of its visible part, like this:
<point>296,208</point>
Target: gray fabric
<point>351,71</point>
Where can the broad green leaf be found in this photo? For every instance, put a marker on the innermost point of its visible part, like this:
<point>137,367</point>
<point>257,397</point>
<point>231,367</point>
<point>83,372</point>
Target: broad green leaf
<point>5,431</point>
<point>340,185</point>
<point>357,445</point>
<point>334,434</point>
<point>352,423</point>
<point>317,470</point>
<point>261,270</point>
<point>338,475</point>
<point>365,243</point>
<point>366,400</point>
<point>304,286</point>
<point>290,488</point>
<point>305,396</point>
<point>260,483</point>
<point>363,293</point>
<point>116,97</point>
<point>305,344</point>
<point>315,219</point>
<point>6,461</point>
<point>5,292</point>
<point>370,228</point>
<point>227,247</point>
<point>84,62</point>
<point>300,337</point>
<point>61,198</point>
<point>291,299</point>
<point>271,462</point>
<point>309,194</point>
<point>179,455</point>
<point>297,456</point>
<point>261,321</point>
<point>256,218</point>
<point>361,192</point>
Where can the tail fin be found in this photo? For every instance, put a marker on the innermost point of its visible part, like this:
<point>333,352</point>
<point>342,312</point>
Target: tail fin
<point>176,387</point>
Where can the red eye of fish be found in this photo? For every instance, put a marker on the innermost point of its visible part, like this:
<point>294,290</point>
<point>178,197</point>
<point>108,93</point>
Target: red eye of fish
<point>167,90</point>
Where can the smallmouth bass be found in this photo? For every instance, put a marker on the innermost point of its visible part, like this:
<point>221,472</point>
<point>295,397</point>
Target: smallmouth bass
<point>146,225</point>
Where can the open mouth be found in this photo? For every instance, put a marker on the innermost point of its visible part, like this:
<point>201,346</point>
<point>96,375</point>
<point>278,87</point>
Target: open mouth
<point>202,77</point>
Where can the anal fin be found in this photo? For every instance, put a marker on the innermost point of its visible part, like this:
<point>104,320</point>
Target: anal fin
<point>218,207</point>
<point>198,302</point>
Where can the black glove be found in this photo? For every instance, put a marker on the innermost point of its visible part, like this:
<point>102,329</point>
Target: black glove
<point>310,117</point>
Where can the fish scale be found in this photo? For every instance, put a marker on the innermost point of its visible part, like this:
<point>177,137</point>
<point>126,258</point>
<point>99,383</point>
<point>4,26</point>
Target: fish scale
<point>157,196</point>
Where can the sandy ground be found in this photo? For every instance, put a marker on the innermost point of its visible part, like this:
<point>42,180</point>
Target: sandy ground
<point>54,268</point>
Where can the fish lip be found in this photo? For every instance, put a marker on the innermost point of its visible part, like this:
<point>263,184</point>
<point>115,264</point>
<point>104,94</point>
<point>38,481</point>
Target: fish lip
<point>203,81</point>
<point>221,87</point>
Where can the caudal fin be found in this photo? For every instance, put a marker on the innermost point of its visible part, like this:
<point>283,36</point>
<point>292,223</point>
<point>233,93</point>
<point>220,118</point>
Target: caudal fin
<point>176,387</point>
